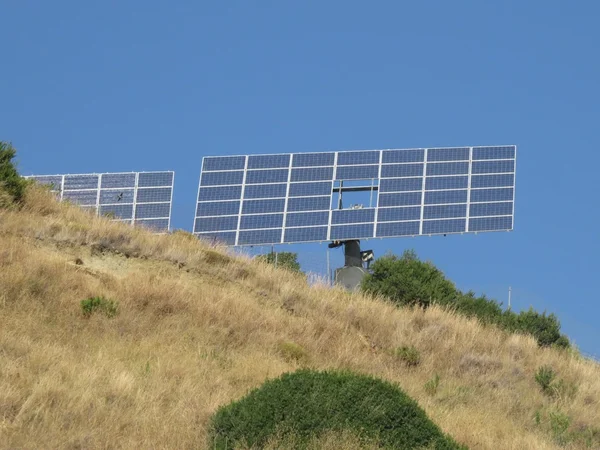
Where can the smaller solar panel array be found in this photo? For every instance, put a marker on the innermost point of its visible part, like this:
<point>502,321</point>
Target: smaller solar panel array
<point>141,198</point>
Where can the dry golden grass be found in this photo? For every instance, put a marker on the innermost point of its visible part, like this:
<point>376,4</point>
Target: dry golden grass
<point>198,328</point>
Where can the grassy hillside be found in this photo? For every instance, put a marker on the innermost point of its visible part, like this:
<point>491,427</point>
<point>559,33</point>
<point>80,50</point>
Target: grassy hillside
<point>197,328</point>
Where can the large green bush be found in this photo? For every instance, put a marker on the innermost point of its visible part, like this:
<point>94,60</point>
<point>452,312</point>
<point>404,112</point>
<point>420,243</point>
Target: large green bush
<point>409,281</point>
<point>307,404</point>
<point>11,183</point>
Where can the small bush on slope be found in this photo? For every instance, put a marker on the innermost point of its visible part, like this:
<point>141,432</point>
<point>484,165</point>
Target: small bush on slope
<point>11,182</point>
<point>309,403</point>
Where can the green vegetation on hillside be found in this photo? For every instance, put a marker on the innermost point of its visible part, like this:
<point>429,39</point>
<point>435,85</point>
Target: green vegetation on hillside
<point>309,403</point>
<point>283,260</point>
<point>12,184</point>
<point>408,281</point>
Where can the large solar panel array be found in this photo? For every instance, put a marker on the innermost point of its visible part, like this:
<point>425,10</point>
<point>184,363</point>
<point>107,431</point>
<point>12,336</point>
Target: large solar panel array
<point>286,198</point>
<point>141,198</point>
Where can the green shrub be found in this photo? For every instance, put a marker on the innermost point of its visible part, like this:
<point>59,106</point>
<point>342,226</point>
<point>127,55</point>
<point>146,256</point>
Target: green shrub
<point>307,404</point>
<point>544,377</point>
<point>559,424</point>
<point>292,352</point>
<point>284,260</point>
<point>409,355</point>
<point>11,183</point>
<point>99,304</point>
<point>431,386</point>
<point>409,281</point>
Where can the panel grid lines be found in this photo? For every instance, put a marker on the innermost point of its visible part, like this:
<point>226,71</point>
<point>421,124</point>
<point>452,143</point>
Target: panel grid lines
<point>287,198</point>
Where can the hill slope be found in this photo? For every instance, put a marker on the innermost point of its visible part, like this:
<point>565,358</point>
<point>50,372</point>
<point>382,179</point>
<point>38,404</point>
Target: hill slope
<point>198,328</point>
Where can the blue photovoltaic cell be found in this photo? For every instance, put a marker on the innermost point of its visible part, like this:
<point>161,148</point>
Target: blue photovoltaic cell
<point>227,238</point>
<point>390,229</point>
<point>357,172</point>
<point>493,166</point>
<point>491,195</point>
<point>268,161</point>
<point>401,170</point>
<point>224,223</point>
<point>313,159</point>
<point>265,190</point>
<point>443,197</point>
<point>403,156</point>
<point>404,199</point>
<point>220,193</point>
<point>448,154</point>
<point>308,203</point>
<point>155,179</point>
<point>491,209</point>
<point>53,181</point>
<point>454,168</point>
<point>482,181</point>
<point>305,234</point>
<point>306,189</point>
<point>152,210</point>
<point>157,225</point>
<point>267,176</point>
<point>263,206</point>
<point>115,196</point>
<point>453,182</point>
<point>307,219</point>
<point>261,221</point>
<point>73,182</point>
<point>312,174</point>
<point>218,208</point>
<point>363,230</point>
<point>118,211</point>
<point>460,182</point>
<point>352,216</point>
<point>490,223</point>
<point>224,163</point>
<point>399,214</point>
<point>81,197</point>
<point>148,195</point>
<point>444,226</point>
<point>401,184</point>
<point>356,158</point>
<point>117,180</point>
<point>494,152</point>
<point>259,237</point>
<point>221,178</point>
<point>443,211</point>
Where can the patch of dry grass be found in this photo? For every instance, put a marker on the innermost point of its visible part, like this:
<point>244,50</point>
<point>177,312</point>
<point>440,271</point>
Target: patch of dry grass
<point>198,327</point>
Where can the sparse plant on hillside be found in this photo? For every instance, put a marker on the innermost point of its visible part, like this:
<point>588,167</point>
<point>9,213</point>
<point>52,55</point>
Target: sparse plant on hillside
<point>308,403</point>
<point>544,377</point>
<point>431,386</point>
<point>93,304</point>
<point>409,355</point>
<point>292,351</point>
<point>284,260</point>
<point>11,183</point>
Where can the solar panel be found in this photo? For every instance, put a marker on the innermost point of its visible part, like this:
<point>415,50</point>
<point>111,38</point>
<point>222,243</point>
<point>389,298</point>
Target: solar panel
<point>315,197</point>
<point>140,198</point>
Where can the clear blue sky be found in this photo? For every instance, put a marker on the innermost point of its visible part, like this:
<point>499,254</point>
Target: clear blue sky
<point>149,85</point>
